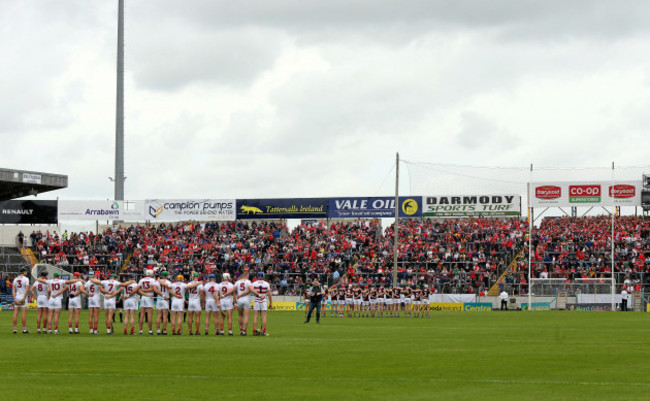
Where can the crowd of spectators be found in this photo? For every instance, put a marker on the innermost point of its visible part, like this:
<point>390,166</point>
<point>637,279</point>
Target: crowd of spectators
<point>456,255</point>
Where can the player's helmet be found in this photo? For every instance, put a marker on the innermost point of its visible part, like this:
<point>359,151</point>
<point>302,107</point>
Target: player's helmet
<point>164,273</point>
<point>148,273</point>
<point>226,276</point>
<point>179,277</point>
<point>57,274</point>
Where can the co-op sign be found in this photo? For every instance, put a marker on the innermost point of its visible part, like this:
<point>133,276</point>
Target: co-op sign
<point>625,193</point>
<point>472,205</point>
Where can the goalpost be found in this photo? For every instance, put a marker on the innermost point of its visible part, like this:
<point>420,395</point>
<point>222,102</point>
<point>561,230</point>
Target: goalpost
<point>577,294</point>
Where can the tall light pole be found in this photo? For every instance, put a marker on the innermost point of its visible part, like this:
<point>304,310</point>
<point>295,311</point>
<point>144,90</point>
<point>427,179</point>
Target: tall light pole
<point>119,112</point>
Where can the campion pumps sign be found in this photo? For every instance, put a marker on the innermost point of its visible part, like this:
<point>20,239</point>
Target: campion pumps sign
<point>594,193</point>
<point>471,206</point>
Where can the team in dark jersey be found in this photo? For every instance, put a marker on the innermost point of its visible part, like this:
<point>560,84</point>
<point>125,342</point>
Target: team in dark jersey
<point>354,300</point>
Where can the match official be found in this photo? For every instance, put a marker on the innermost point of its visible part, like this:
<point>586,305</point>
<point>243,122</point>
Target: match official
<point>315,298</point>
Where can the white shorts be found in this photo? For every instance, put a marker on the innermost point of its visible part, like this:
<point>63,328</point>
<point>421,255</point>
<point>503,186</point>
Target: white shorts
<point>162,304</point>
<point>178,305</point>
<point>365,303</point>
<point>146,302</point>
<point>226,304</point>
<point>349,301</point>
<point>357,302</point>
<point>373,302</point>
<point>262,306</point>
<point>109,303</point>
<point>74,303</point>
<point>55,303</point>
<point>389,301</point>
<point>416,303</point>
<point>93,302</point>
<point>211,305</point>
<point>341,302</point>
<point>244,303</point>
<point>194,305</point>
<point>408,300</point>
<point>42,301</point>
<point>131,304</point>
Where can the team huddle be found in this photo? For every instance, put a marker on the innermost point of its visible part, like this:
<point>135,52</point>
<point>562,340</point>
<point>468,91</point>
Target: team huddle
<point>363,301</point>
<point>218,300</point>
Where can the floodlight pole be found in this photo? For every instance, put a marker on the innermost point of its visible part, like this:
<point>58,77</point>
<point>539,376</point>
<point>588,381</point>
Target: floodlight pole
<point>530,242</point>
<point>396,226</point>
<point>119,112</point>
<point>613,221</point>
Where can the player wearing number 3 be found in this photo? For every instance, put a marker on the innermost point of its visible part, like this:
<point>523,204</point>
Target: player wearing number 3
<point>19,291</point>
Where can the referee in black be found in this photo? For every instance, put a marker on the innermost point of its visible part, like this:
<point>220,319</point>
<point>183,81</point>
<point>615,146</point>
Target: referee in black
<point>315,300</point>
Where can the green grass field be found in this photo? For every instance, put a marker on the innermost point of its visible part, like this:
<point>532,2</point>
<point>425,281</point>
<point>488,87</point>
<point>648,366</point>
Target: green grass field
<point>453,355</point>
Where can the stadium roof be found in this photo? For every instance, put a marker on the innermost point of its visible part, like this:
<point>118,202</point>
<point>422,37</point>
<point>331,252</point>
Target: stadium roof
<point>19,183</point>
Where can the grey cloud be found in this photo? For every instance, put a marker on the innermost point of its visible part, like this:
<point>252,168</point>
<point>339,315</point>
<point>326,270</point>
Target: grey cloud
<point>171,58</point>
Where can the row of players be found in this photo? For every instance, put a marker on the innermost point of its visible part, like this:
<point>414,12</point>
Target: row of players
<point>217,299</point>
<point>364,301</point>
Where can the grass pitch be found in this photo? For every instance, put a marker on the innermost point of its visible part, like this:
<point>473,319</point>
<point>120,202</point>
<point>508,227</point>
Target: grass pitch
<point>454,355</point>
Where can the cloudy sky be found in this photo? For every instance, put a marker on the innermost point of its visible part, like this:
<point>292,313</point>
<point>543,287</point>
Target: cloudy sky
<point>294,98</point>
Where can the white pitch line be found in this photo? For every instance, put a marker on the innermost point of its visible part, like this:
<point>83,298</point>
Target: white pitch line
<point>354,379</point>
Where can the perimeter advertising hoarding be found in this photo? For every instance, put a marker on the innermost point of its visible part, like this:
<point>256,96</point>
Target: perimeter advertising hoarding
<point>374,207</point>
<point>471,206</point>
<point>585,193</point>
<point>190,209</point>
<point>301,208</point>
<point>88,210</point>
<point>28,212</point>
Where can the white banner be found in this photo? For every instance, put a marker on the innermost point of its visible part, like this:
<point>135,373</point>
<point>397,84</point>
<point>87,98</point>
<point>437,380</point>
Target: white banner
<point>190,209</point>
<point>587,193</point>
<point>89,210</point>
<point>471,206</point>
<point>455,298</point>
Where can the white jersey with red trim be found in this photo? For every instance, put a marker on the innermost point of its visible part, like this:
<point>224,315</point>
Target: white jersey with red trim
<point>21,284</point>
<point>224,287</point>
<point>195,293</point>
<point>160,285</point>
<point>41,289</point>
<point>110,285</point>
<point>211,288</point>
<point>241,286</point>
<point>130,289</point>
<point>55,286</point>
<point>146,284</point>
<point>263,288</point>
<point>178,288</point>
<point>92,289</point>
<point>74,288</point>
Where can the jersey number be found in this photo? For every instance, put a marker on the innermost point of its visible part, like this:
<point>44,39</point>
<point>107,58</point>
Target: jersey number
<point>178,292</point>
<point>242,287</point>
<point>55,286</point>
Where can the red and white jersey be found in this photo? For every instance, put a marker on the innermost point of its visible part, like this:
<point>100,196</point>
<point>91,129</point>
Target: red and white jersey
<point>110,285</point>
<point>55,286</point>
<point>146,284</point>
<point>74,288</point>
<point>21,284</point>
<point>195,293</point>
<point>224,287</point>
<point>178,289</point>
<point>92,289</point>
<point>130,289</point>
<point>263,288</point>
<point>241,286</point>
<point>41,289</point>
<point>161,286</point>
<point>210,289</point>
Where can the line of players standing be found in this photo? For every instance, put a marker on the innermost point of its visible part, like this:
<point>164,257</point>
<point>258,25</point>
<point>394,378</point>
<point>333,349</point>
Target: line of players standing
<point>355,300</point>
<point>219,300</point>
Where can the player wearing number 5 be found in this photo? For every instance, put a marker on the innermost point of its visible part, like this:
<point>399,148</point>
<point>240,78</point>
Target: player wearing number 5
<point>19,291</point>
<point>243,290</point>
